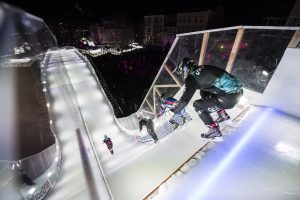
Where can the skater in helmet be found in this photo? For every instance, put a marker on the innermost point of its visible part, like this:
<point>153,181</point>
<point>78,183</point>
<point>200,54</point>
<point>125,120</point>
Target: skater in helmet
<point>168,103</point>
<point>150,127</point>
<point>108,143</point>
<point>219,90</point>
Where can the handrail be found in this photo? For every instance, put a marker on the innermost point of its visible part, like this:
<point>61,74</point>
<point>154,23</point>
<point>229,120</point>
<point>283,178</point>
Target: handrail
<point>240,27</point>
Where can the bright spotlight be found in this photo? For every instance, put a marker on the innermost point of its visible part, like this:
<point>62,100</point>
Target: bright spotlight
<point>56,159</point>
<point>243,100</point>
<point>32,190</point>
<point>49,174</point>
<point>265,73</point>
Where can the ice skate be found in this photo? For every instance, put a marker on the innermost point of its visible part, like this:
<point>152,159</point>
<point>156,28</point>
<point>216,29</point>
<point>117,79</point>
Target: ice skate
<point>172,121</point>
<point>183,120</point>
<point>189,118</point>
<point>214,134</point>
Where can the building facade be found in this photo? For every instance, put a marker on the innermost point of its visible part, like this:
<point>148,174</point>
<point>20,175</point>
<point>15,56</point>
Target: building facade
<point>153,29</point>
<point>193,21</point>
<point>116,32</point>
<point>162,29</point>
<point>112,35</point>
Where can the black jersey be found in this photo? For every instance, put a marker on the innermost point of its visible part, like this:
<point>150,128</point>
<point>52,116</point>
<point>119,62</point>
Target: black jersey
<point>210,79</point>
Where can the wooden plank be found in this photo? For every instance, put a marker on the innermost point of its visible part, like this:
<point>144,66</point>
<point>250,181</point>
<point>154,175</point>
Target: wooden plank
<point>171,85</point>
<point>153,95</point>
<point>295,40</point>
<point>157,91</point>
<point>235,49</point>
<point>203,48</point>
<point>178,82</point>
<point>149,104</point>
<point>147,112</point>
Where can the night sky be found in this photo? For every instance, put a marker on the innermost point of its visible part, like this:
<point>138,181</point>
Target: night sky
<point>250,12</point>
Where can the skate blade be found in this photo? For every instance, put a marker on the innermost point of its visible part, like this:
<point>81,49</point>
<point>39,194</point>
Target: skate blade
<point>216,139</point>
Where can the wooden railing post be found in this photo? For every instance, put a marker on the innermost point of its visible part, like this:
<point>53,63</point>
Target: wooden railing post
<point>235,49</point>
<point>295,40</point>
<point>203,48</point>
<point>177,81</point>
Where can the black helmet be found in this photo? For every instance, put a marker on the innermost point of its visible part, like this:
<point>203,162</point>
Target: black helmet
<point>163,96</point>
<point>184,67</point>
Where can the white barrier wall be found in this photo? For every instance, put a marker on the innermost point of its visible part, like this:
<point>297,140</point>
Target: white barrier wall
<point>283,90</point>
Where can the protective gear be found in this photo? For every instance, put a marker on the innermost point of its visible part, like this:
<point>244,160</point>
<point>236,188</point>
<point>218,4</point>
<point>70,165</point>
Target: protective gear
<point>184,67</point>
<point>214,131</point>
<point>172,121</point>
<point>223,116</point>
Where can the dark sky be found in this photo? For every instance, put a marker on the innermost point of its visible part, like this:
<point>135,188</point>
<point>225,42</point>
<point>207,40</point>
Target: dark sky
<point>243,12</point>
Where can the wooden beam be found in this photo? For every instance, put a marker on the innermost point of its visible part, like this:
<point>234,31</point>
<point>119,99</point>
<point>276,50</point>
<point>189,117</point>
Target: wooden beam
<point>149,104</point>
<point>235,49</point>
<point>153,95</point>
<point>162,86</point>
<point>203,48</point>
<point>295,40</point>
<point>146,112</point>
<point>178,82</point>
<point>156,90</point>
